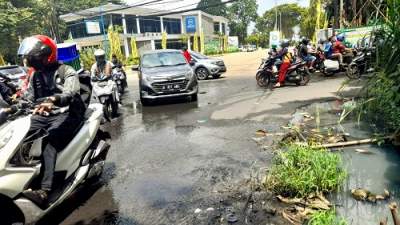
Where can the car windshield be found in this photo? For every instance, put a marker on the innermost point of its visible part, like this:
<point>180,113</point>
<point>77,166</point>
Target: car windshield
<point>162,59</point>
<point>198,55</point>
<point>11,71</point>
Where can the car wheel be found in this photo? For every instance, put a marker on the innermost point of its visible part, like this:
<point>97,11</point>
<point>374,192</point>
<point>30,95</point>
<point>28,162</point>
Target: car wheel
<point>202,73</point>
<point>216,76</point>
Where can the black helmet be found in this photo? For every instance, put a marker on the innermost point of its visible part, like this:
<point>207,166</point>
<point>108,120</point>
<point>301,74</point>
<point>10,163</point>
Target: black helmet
<point>285,43</point>
<point>305,41</point>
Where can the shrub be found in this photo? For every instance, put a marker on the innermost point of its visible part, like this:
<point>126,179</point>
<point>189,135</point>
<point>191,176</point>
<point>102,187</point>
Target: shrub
<point>301,171</point>
<point>87,58</point>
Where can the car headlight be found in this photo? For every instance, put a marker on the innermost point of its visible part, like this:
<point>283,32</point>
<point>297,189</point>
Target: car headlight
<point>148,78</point>
<point>214,63</point>
<point>189,75</point>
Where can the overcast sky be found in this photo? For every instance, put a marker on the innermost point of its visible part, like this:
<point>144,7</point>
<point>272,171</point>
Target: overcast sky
<point>263,5</point>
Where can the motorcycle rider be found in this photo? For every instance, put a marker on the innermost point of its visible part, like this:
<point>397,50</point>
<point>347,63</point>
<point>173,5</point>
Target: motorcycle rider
<point>273,52</point>
<point>40,52</point>
<point>305,53</point>
<point>101,67</point>
<point>337,50</point>
<point>286,58</point>
<point>117,64</point>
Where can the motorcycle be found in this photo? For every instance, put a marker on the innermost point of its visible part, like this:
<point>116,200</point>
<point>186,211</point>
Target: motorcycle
<point>81,162</point>
<point>105,91</point>
<point>268,73</point>
<point>361,64</point>
<point>332,66</point>
<point>120,79</point>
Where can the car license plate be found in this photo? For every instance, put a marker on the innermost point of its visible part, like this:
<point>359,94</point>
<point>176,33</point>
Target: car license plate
<point>171,87</point>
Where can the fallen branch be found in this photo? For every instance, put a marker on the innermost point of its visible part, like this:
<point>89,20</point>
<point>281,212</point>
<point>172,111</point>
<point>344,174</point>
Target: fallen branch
<point>393,210</point>
<point>350,143</point>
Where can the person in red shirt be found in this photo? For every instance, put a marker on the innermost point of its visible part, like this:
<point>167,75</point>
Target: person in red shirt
<point>187,55</point>
<point>338,50</point>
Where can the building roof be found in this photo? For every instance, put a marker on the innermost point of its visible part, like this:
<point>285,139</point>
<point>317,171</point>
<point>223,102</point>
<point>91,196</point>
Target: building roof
<point>108,9</point>
<point>126,9</point>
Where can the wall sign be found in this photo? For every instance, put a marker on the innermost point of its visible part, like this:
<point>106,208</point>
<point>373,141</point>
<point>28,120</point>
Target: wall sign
<point>190,24</point>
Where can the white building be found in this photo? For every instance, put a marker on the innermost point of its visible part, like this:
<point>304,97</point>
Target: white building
<point>88,27</point>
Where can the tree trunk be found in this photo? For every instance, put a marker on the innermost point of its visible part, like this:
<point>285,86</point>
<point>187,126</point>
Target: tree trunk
<point>336,13</point>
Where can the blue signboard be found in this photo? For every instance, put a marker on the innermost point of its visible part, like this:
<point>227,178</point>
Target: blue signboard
<point>191,24</point>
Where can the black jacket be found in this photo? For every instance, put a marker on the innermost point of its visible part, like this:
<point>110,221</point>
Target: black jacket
<point>62,82</point>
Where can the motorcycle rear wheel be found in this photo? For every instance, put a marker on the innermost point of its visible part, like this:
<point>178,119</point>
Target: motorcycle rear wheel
<point>262,79</point>
<point>305,78</point>
<point>353,72</point>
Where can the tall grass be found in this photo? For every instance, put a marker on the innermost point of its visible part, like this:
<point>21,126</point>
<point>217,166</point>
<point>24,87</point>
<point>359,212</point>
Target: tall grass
<point>301,171</point>
<point>326,218</point>
<point>385,86</point>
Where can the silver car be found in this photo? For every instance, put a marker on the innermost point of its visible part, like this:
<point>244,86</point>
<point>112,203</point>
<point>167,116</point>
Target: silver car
<point>205,66</point>
<point>165,74</point>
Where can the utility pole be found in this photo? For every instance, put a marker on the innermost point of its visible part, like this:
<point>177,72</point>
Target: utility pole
<point>341,14</point>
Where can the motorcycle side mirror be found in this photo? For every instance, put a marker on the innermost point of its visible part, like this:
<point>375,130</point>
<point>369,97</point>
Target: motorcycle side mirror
<point>135,68</point>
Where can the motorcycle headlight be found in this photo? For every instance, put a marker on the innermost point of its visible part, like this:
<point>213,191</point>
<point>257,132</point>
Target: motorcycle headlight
<point>189,75</point>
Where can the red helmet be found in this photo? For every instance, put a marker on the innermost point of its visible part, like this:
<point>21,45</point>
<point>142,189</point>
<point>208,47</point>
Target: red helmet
<point>39,51</point>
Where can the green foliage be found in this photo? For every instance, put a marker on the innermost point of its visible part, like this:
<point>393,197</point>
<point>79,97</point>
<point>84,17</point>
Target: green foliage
<point>240,14</point>
<point>326,218</point>
<point>301,171</point>
<point>384,88</point>
<point>132,61</point>
<point>292,15</point>
<point>308,25</point>
<point>87,58</point>
<point>219,10</point>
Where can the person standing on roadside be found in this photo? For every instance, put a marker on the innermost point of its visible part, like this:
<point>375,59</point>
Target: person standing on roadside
<point>187,55</point>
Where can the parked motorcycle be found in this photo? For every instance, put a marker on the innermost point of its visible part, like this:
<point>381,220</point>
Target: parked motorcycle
<point>120,79</point>
<point>361,64</point>
<point>106,92</point>
<point>268,73</point>
<point>82,160</point>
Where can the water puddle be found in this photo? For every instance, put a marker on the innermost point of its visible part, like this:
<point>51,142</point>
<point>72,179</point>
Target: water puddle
<point>371,167</point>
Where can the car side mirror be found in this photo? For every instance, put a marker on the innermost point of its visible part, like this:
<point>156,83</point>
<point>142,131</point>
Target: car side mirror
<point>135,68</point>
<point>192,63</point>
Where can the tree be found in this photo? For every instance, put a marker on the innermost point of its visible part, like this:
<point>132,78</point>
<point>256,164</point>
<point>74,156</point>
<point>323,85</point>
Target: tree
<point>241,13</point>
<point>292,15</point>
<point>219,10</point>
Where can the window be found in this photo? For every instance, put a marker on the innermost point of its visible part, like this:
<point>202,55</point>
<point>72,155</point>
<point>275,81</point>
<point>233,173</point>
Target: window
<point>116,19</point>
<point>223,28</point>
<point>172,26</point>
<point>163,59</point>
<point>171,44</point>
<point>150,24</point>
<point>131,26</point>
<point>216,27</point>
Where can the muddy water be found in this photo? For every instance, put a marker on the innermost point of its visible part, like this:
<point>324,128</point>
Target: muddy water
<point>375,171</point>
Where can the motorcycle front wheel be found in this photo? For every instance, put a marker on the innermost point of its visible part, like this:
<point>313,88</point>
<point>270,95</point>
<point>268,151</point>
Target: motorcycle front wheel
<point>262,79</point>
<point>107,111</point>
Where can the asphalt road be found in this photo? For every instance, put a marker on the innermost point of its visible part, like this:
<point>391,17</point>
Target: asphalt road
<point>169,159</point>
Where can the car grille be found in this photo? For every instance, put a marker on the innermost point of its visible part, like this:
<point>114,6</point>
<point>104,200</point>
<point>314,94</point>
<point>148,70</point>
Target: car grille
<point>170,86</point>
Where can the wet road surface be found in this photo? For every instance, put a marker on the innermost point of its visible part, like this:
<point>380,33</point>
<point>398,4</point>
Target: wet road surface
<point>169,159</point>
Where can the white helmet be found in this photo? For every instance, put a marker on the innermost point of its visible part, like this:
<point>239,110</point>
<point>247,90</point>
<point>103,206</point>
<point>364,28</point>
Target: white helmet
<point>100,55</point>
